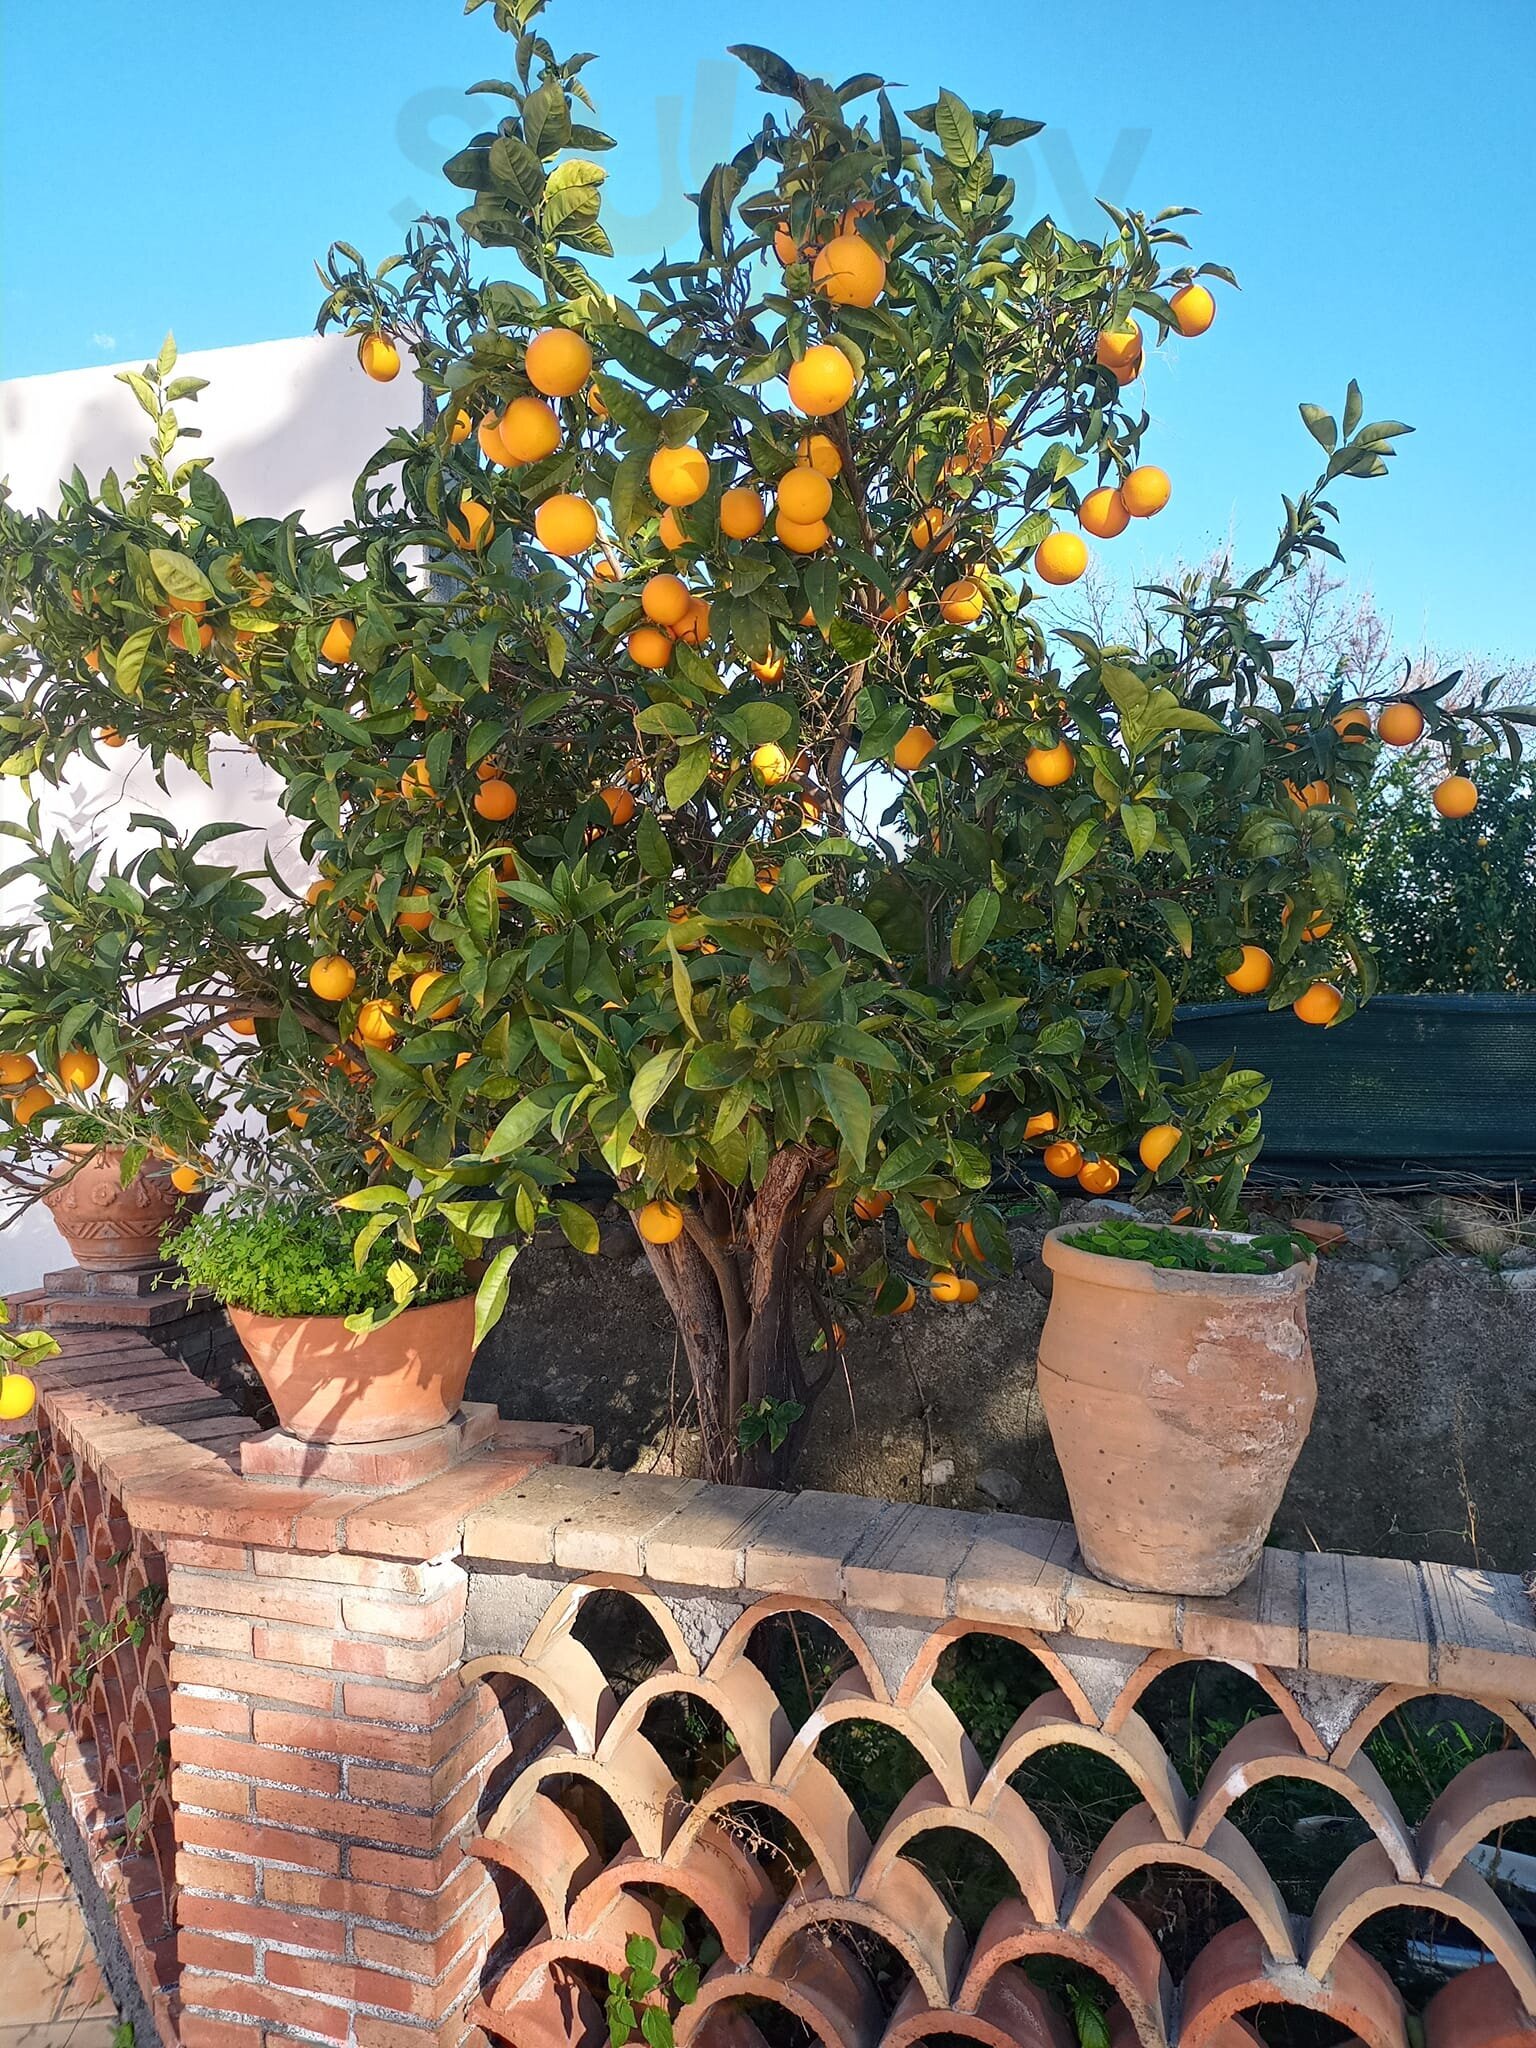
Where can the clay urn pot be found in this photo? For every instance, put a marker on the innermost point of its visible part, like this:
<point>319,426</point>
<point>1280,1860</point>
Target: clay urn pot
<point>1178,1403</point>
<point>110,1228</point>
<point>330,1386</point>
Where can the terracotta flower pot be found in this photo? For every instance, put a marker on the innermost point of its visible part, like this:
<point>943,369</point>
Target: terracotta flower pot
<point>110,1228</point>
<point>1178,1403</point>
<point>331,1387</point>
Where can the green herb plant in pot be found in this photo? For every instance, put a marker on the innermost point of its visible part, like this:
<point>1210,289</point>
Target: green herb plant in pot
<point>343,1362</point>
<point>1176,1376</point>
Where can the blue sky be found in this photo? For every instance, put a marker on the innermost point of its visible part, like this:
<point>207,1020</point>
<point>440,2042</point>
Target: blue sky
<point>1367,170</point>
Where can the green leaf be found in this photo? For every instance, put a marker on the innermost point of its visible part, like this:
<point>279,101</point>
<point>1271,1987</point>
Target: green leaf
<point>1081,848</point>
<point>850,1109</point>
<point>579,1225</point>
<point>653,1080</point>
<point>1321,426</point>
<point>955,126</point>
<point>482,908</point>
<point>491,1295</point>
<point>651,847</point>
<point>180,578</point>
<point>682,988</point>
<point>1140,826</point>
<point>773,74</point>
<point>1176,917</point>
<point>519,1124</point>
<point>128,666</point>
<point>688,774</point>
<point>842,921</point>
<point>974,926</point>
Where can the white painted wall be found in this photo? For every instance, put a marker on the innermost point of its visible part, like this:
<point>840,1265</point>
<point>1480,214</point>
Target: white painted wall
<point>289,424</point>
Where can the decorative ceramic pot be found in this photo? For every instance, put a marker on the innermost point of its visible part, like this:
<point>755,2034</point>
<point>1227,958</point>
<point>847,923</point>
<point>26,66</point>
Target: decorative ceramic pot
<point>1178,1404</point>
<point>110,1228</point>
<point>331,1387</point>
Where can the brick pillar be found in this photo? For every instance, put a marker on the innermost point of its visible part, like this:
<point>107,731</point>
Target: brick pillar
<point>327,1767</point>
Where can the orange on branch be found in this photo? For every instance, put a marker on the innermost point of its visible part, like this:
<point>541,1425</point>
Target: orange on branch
<point>946,1287</point>
<point>496,801</point>
<point>665,600</point>
<point>931,529</point>
<point>913,749</point>
<point>1157,1145</point>
<point>242,1027</point>
<point>849,271</point>
<point>492,447</point>
<point>822,381</point>
<point>1145,491</point>
<point>32,1102</point>
<point>801,539</point>
<point>670,530</point>
<point>1098,1176</point>
<point>1041,1124</point>
<point>820,452</point>
<point>1049,767</point>
<point>1319,1004</point>
<point>1399,725</point>
<point>769,671</point>
<point>528,431</point>
<point>202,636</point>
<point>558,362</point>
<point>871,1205</point>
<point>770,764</point>
<point>332,978</point>
<point>79,1069</point>
<point>804,495</point>
<point>649,647</point>
<point>620,803</point>
<point>1061,558</point>
<point>1253,974</point>
<point>1193,309</point>
<point>1063,1159</point>
<point>474,526</point>
<point>963,602</point>
<point>377,1021</point>
<point>336,647</point>
<point>566,525</point>
<point>414,913</point>
<point>1353,724</point>
<point>660,1221</point>
<point>1455,797</point>
<point>379,357</point>
<point>1318,925</point>
<point>18,1395</point>
<point>186,1180</point>
<point>16,1069</point>
<point>693,629</point>
<point>421,993</point>
<point>1118,347</point>
<point>983,441</point>
<point>460,427</point>
<point>679,476</point>
<point>1103,514</point>
<point>742,513</point>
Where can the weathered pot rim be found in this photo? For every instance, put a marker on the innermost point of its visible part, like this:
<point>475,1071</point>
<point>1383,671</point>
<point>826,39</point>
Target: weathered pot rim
<point>333,1329</point>
<point>1135,1276</point>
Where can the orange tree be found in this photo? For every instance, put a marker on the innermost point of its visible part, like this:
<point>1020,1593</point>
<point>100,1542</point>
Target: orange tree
<point>690,786</point>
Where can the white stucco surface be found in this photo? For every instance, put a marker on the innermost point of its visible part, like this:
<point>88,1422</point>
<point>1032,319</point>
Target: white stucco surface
<point>289,424</point>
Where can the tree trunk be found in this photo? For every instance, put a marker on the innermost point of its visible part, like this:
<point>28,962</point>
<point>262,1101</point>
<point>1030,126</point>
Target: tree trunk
<point>734,1280</point>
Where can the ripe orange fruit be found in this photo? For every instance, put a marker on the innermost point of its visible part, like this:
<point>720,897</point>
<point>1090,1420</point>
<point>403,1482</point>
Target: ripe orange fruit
<point>336,647</point>
<point>565,524</point>
<point>1061,558</point>
<point>528,431</point>
<point>558,362</point>
<point>1063,1159</point>
<point>1399,725</point>
<point>801,539</point>
<point>907,1303</point>
<point>931,529</point>
<point>460,427</point>
<point>822,381</point>
<point>946,1286</point>
<point>1157,1145</point>
<point>1145,491</point>
<point>742,513</point>
<point>177,635</point>
<point>1098,1176</point>
<point>1455,797</point>
<point>16,1069</point>
<point>376,1022</point>
<point>379,357</point>
<point>492,447</point>
<point>819,452</point>
<point>787,249</point>
<point>670,530</point>
<point>495,800</point>
<point>109,736</point>
<point>649,647</point>
<point>770,763</point>
<point>849,272</point>
<point>1311,796</point>
<point>621,805</point>
<point>296,1116</point>
<point>837,1265</point>
<point>963,602</point>
<point>186,1180</point>
<point>243,1027</point>
<point>1050,766</point>
<point>660,1221</point>
<point>79,1069</point>
<point>871,1205</point>
<point>1193,309</point>
<point>679,476</point>
<point>421,990</point>
<point>1118,348</point>
<point>1041,1124</point>
<point>417,780</point>
<point>414,913</point>
<point>804,496</point>
<point>898,608</point>
<point>1254,974</point>
<point>1318,925</point>
<point>983,439</point>
<point>769,671</point>
<point>1353,724</point>
<point>1103,514</point>
<point>694,629</point>
<point>31,1102</point>
<point>18,1396</point>
<point>332,978</point>
<point>665,600</point>
<point>1319,1004</point>
<point>913,748</point>
<point>474,526</point>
